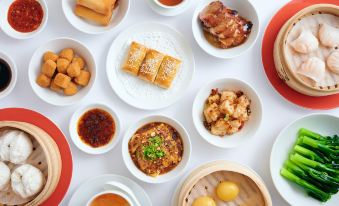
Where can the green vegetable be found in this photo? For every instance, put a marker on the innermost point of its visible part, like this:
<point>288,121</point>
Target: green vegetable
<point>153,151</point>
<point>310,188</point>
<point>308,153</point>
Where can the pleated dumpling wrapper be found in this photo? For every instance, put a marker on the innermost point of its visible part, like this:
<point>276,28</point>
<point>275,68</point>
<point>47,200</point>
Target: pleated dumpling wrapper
<point>27,180</point>
<point>5,176</point>
<point>15,146</point>
<point>333,62</point>
<point>305,43</point>
<point>329,35</point>
<point>314,68</point>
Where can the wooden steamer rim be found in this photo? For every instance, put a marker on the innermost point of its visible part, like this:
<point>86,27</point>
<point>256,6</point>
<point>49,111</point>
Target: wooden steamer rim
<point>51,153</point>
<point>221,165</point>
<point>308,11</point>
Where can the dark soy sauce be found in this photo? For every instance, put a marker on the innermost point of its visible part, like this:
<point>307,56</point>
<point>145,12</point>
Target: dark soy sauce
<point>5,75</point>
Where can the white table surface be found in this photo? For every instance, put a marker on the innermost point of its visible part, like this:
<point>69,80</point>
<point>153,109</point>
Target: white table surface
<point>248,67</point>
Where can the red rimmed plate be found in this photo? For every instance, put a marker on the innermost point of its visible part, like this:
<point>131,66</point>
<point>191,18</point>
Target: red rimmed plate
<point>272,30</point>
<point>37,119</point>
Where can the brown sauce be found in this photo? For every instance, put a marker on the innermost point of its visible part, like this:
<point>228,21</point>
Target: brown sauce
<point>109,200</point>
<point>5,75</point>
<point>96,127</point>
<point>156,148</point>
<point>170,2</point>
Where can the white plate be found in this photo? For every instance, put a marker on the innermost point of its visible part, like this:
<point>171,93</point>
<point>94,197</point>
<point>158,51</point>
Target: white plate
<point>324,124</point>
<point>7,28</point>
<point>96,185</point>
<point>169,11</point>
<point>250,127</point>
<point>246,10</point>
<point>88,27</point>
<point>56,45</point>
<point>178,170</point>
<point>73,125</point>
<point>12,65</point>
<point>139,93</point>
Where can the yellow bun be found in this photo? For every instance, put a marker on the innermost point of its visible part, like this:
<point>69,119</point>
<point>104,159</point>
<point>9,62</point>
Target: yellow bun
<point>204,201</point>
<point>227,191</point>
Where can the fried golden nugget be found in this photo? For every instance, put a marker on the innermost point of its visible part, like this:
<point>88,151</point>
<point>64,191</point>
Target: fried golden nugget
<point>43,80</point>
<point>50,56</point>
<point>62,80</point>
<point>55,87</point>
<point>71,89</point>
<point>73,70</point>
<point>83,78</point>
<point>80,61</point>
<point>48,68</point>
<point>67,53</point>
<point>62,65</point>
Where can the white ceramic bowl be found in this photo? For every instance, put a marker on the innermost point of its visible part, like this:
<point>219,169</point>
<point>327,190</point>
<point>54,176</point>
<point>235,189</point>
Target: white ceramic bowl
<point>324,124</point>
<point>116,192</point>
<point>12,65</point>
<point>73,125</point>
<point>56,45</point>
<point>179,169</point>
<point>250,127</point>
<point>6,27</point>
<point>88,27</point>
<point>245,9</point>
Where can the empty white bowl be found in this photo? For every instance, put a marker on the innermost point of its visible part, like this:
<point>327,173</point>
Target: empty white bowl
<point>164,177</point>
<point>119,14</point>
<point>250,127</point>
<point>73,130</point>
<point>13,68</point>
<point>6,27</point>
<point>56,45</point>
<point>245,9</point>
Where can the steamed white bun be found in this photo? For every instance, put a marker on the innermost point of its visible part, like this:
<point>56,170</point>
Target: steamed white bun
<point>305,43</point>
<point>27,180</point>
<point>5,176</point>
<point>15,146</point>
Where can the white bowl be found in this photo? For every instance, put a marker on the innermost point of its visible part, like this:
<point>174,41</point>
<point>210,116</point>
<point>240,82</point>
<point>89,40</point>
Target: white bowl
<point>169,10</point>
<point>12,65</point>
<point>179,169</point>
<point>324,124</point>
<point>88,27</point>
<point>250,127</point>
<point>56,45</point>
<point>6,27</point>
<point>116,192</point>
<point>246,10</point>
<point>73,125</point>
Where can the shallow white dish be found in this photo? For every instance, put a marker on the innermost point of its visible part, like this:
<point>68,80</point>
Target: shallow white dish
<point>88,27</point>
<point>324,124</point>
<point>178,170</point>
<point>139,93</point>
<point>56,45</point>
<point>96,184</point>
<point>250,127</point>
<point>245,9</point>
<point>12,65</point>
<point>115,192</point>
<point>6,27</point>
<point>167,10</point>
<point>73,125</point>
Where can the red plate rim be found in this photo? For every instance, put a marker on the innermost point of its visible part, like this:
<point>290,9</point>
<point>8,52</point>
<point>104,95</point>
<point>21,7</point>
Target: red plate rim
<point>37,119</point>
<point>271,32</point>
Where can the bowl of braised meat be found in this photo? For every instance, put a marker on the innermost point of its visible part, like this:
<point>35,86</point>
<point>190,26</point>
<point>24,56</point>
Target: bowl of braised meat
<point>156,149</point>
<point>227,112</point>
<point>225,28</point>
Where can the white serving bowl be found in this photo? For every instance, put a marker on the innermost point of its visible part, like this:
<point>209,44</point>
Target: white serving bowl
<point>12,65</point>
<point>115,192</point>
<point>245,9</point>
<point>88,27</point>
<point>56,45</point>
<point>73,129</point>
<point>324,124</point>
<point>6,27</point>
<point>250,127</point>
<point>179,169</point>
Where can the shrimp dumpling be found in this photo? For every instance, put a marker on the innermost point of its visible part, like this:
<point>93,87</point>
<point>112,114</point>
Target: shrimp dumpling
<point>329,35</point>
<point>333,62</point>
<point>27,180</point>
<point>314,68</point>
<point>305,43</point>
<point>15,146</point>
<point>5,176</point>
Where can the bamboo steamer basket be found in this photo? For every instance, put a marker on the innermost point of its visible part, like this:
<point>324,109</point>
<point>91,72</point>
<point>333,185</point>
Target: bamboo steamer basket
<point>45,156</point>
<point>284,69</point>
<point>204,180</point>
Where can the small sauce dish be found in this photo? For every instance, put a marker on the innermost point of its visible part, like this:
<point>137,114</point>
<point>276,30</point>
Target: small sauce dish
<point>170,4</point>
<point>110,198</point>
<point>5,60</point>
